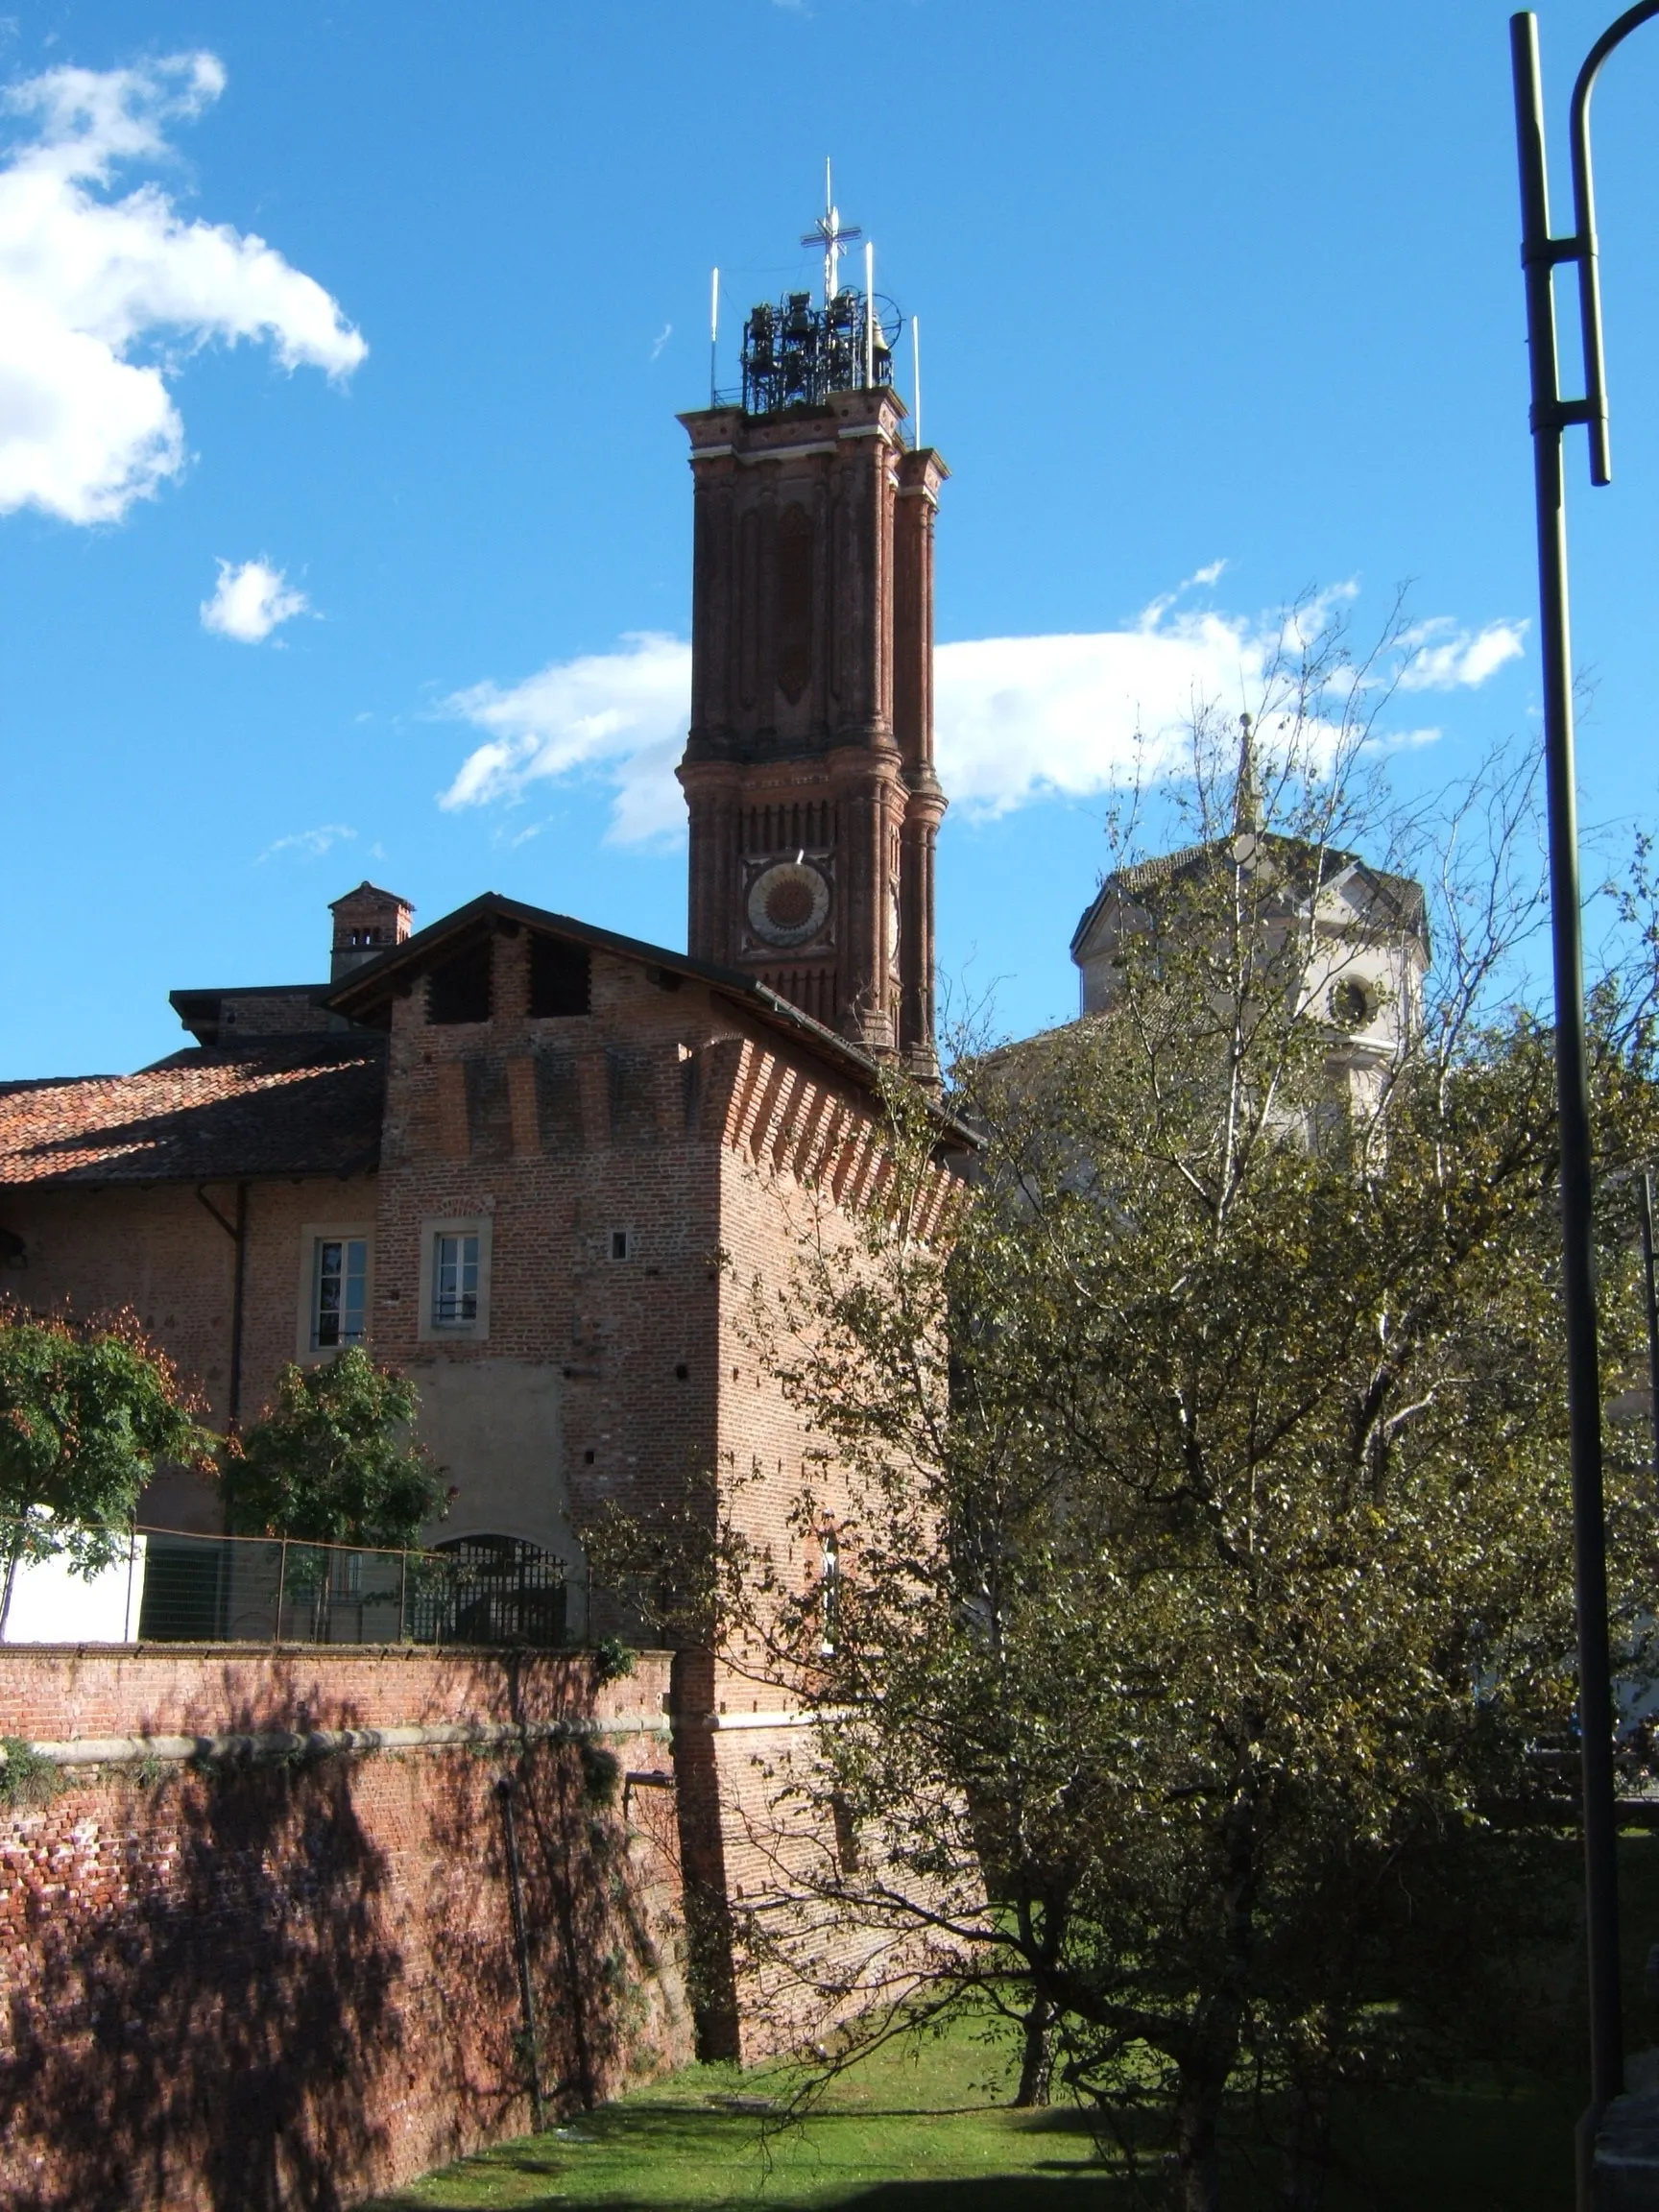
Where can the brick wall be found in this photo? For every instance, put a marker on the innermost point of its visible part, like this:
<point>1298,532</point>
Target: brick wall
<point>159,1251</point>
<point>558,1131</point>
<point>156,1250</point>
<point>798,1159</point>
<point>774,1460</point>
<point>277,1986</point>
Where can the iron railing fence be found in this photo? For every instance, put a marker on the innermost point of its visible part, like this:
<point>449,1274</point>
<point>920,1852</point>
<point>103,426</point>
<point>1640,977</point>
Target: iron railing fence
<point>478,1590</point>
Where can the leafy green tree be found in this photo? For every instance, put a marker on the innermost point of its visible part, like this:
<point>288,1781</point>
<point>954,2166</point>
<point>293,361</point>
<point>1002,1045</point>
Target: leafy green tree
<point>85,1412</point>
<point>1205,1599</point>
<point>334,1462</point>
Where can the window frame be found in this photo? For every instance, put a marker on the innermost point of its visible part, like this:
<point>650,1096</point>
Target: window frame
<point>455,1278</point>
<point>313,1235</point>
<point>476,1331</point>
<point>828,1590</point>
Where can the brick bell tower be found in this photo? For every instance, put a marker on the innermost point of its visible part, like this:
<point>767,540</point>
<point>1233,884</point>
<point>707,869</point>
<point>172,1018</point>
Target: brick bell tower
<point>808,767</point>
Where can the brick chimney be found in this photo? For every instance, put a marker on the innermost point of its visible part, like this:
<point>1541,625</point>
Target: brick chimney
<point>366,923</point>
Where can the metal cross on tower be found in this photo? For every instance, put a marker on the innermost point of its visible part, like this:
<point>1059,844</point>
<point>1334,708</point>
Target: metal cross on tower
<point>828,232</point>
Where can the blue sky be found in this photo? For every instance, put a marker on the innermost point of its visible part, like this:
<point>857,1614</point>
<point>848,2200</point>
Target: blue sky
<point>1199,284</point>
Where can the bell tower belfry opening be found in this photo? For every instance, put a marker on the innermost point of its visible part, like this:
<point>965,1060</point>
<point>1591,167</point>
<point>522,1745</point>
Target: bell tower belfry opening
<point>808,766</point>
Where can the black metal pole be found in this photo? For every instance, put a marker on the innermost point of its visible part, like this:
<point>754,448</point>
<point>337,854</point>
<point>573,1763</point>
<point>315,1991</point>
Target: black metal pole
<point>1585,235</point>
<point>1650,1298</point>
<point>1539,254</point>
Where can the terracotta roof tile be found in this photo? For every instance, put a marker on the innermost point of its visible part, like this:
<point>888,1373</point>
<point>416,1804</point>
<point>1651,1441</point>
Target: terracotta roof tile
<point>292,1106</point>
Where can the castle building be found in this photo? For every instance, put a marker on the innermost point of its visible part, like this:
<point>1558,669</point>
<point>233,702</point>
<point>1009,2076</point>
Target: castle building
<point>538,1166</point>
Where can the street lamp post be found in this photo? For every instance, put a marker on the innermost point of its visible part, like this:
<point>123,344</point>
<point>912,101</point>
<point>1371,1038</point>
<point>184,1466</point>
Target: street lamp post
<point>1551,416</point>
<point>1650,1305</point>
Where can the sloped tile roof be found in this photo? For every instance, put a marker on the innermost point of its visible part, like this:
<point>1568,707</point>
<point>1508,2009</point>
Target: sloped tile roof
<point>1298,865</point>
<point>289,1106</point>
<point>364,994</point>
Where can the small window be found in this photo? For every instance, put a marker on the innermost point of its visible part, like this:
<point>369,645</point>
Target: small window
<point>559,979</point>
<point>845,1831</point>
<point>340,1293</point>
<point>458,989</point>
<point>830,1594</point>
<point>1350,1004</point>
<point>621,1243</point>
<point>336,1292</point>
<point>455,1281</point>
<point>454,1290</point>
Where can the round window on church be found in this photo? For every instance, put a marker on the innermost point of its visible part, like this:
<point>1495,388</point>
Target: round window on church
<point>788,903</point>
<point>1350,1004</point>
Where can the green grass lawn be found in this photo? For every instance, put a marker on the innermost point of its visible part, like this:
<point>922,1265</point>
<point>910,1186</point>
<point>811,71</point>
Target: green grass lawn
<point>931,2128</point>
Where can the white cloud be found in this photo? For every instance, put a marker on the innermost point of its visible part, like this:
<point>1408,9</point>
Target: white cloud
<point>621,714</point>
<point>102,298</point>
<point>1440,663</point>
<point>1018,719</point>
<point>661,339</point>
<point>314,843</point>
<point>1022,719</point>
<point>249,600</point>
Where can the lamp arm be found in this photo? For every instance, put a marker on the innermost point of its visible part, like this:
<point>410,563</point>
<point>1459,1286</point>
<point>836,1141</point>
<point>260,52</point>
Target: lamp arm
<point>1584,235</point>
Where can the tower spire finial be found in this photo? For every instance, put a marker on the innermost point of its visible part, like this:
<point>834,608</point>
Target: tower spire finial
<point>829,232</point>
<point>1247,796</point>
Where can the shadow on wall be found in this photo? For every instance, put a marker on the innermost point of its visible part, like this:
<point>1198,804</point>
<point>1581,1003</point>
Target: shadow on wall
<point>262,1987</point>
<point>206,2033</point>
<point>609,2004</point>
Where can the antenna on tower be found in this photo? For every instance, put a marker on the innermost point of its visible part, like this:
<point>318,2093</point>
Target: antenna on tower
<point>869,313</point>
<point>713,338</point>
<point>827,232</point>
<point>916,374</point>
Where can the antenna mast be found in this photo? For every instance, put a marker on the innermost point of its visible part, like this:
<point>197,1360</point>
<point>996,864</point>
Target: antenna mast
<point>713,338</point>
<point>916,373</point>
<point>869,313</point>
